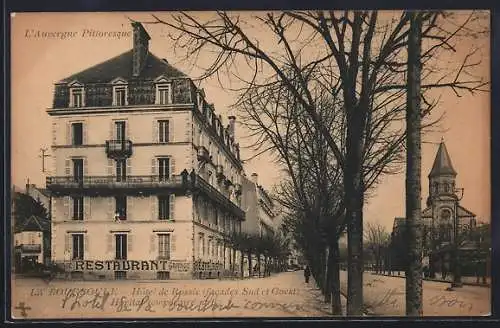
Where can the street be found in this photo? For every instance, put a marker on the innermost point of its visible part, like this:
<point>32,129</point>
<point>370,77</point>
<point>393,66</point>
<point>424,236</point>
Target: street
<point>385,295</point>
<point>281,295</point>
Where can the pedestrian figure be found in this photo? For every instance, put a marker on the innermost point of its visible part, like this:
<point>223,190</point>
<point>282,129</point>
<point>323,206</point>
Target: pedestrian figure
<point>307,274</point>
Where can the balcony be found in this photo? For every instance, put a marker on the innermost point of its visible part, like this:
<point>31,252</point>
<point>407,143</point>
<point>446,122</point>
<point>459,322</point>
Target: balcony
<point>220,173</point>
<point>30,248</point>
<point>118,148</point>
<point>203,155</point>
<point>65,185</point>
<point>205,188</point>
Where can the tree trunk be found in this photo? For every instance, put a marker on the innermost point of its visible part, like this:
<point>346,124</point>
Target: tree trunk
<point>328,270</point>
<point>413,172</point>
<point>335,279</point>
<point>250,269</point>
<point>354,212</point>
<point>242,267</point>
<point>258,264</point>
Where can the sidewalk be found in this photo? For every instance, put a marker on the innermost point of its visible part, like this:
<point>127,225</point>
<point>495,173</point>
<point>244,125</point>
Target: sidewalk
<point>469,281</point>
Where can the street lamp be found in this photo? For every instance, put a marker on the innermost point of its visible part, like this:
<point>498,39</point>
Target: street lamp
<point>457,279</point>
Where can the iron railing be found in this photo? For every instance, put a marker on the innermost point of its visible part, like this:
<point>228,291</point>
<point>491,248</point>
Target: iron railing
<point>129,181</point>
<point>119,148</point>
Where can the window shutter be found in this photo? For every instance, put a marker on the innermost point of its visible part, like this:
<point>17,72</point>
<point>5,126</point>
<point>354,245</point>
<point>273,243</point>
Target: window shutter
<point>129,166</point>
<point>187,132</point>
<point>172,207</point>
<point>171,135</point>
<point>68,134</point>
<point>155,131</point>
<point>130,206</point>
<point>173,243</point>
<point>85,167</point>
<point>112,130</point>
<point>54,133</point>
<point>67,167</point>
<point>85,244</point>
<point>53,216</point>
<point>67,246</point>
<point>86,208</point>
<point>67,212</point>
<point>109,242</point>
<point>110,167</point>
<point>111,208</point>
<point>172,166</point>
<point>85,134</point>
<point>153,166</point>
<point>130,242</point>
<point>154,208</point>
<point>152,244</point>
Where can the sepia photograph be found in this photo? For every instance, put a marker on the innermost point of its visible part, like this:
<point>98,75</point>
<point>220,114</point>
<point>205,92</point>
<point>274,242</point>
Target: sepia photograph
<point>250,164</point>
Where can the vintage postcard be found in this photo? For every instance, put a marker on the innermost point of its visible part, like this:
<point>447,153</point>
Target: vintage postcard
<point>222,164</point>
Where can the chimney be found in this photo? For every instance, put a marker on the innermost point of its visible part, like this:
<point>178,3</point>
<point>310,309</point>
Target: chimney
<point>141,48</point>
<point>255,178</point>
<point>232,123</point>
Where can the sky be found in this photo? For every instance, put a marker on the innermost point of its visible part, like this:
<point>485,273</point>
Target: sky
<point>39,62</point>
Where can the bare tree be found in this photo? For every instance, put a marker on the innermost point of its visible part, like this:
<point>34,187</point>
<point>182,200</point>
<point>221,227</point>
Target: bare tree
<point>376,239</point>
<point>363,51</point>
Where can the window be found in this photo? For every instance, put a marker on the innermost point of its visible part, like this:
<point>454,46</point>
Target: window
<point>120,130</point>
<point>77,208</point>
<point>77,169</point>
<point>121,246</point>
<point>76,99</point>
<point>436,187</point>
<point>446,187</point>
<point>163,130</point>
<point>77,247</point>
<point>77,134</point>
<point>163,169</point>
<point>163,94</point>
<point>121,170</point>
<point>216,214</point>
<point>120,275</point>
<point>201,244</point>
<point>121,207</point>
<point>162,275</point>
<point>164,246</point>
<point>164,207</point>
<point>120,95</point>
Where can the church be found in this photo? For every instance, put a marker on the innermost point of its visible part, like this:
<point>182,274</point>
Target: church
<point>442,213</point>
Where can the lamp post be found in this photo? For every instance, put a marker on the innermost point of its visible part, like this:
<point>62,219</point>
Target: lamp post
<point>457,279</point>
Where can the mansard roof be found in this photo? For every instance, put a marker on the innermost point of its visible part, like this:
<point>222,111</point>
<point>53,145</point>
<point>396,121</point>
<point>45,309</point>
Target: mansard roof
<point>121,66</point>
<point>442,163</point>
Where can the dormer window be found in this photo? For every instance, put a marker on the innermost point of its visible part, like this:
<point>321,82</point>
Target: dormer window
<point>120,92</point>
<point>77,94</point>
<point>77,97</point>
<point>163,94</point>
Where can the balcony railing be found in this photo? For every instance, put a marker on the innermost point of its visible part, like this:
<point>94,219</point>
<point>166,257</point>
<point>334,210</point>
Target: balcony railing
<point>119,148</point>
<point>217,196</point>
<point>113,182</point>
<point>30,248</point>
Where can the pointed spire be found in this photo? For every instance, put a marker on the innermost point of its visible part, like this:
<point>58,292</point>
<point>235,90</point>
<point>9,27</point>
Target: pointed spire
<point>442,163</point>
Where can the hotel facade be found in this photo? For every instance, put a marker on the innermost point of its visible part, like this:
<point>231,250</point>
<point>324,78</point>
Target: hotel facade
<point>147,178</point>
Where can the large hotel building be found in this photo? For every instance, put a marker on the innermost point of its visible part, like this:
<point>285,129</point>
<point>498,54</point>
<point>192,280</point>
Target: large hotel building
<point>147,178</point>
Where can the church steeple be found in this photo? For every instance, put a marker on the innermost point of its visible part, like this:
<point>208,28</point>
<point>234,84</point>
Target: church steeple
<point>442,175</point>
<point>442,163</point>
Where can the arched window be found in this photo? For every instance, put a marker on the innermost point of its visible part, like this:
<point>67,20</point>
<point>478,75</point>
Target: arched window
<point>446,187</point>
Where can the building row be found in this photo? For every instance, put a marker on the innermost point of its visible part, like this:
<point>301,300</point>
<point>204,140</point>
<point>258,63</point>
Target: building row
<point>145,170</point>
